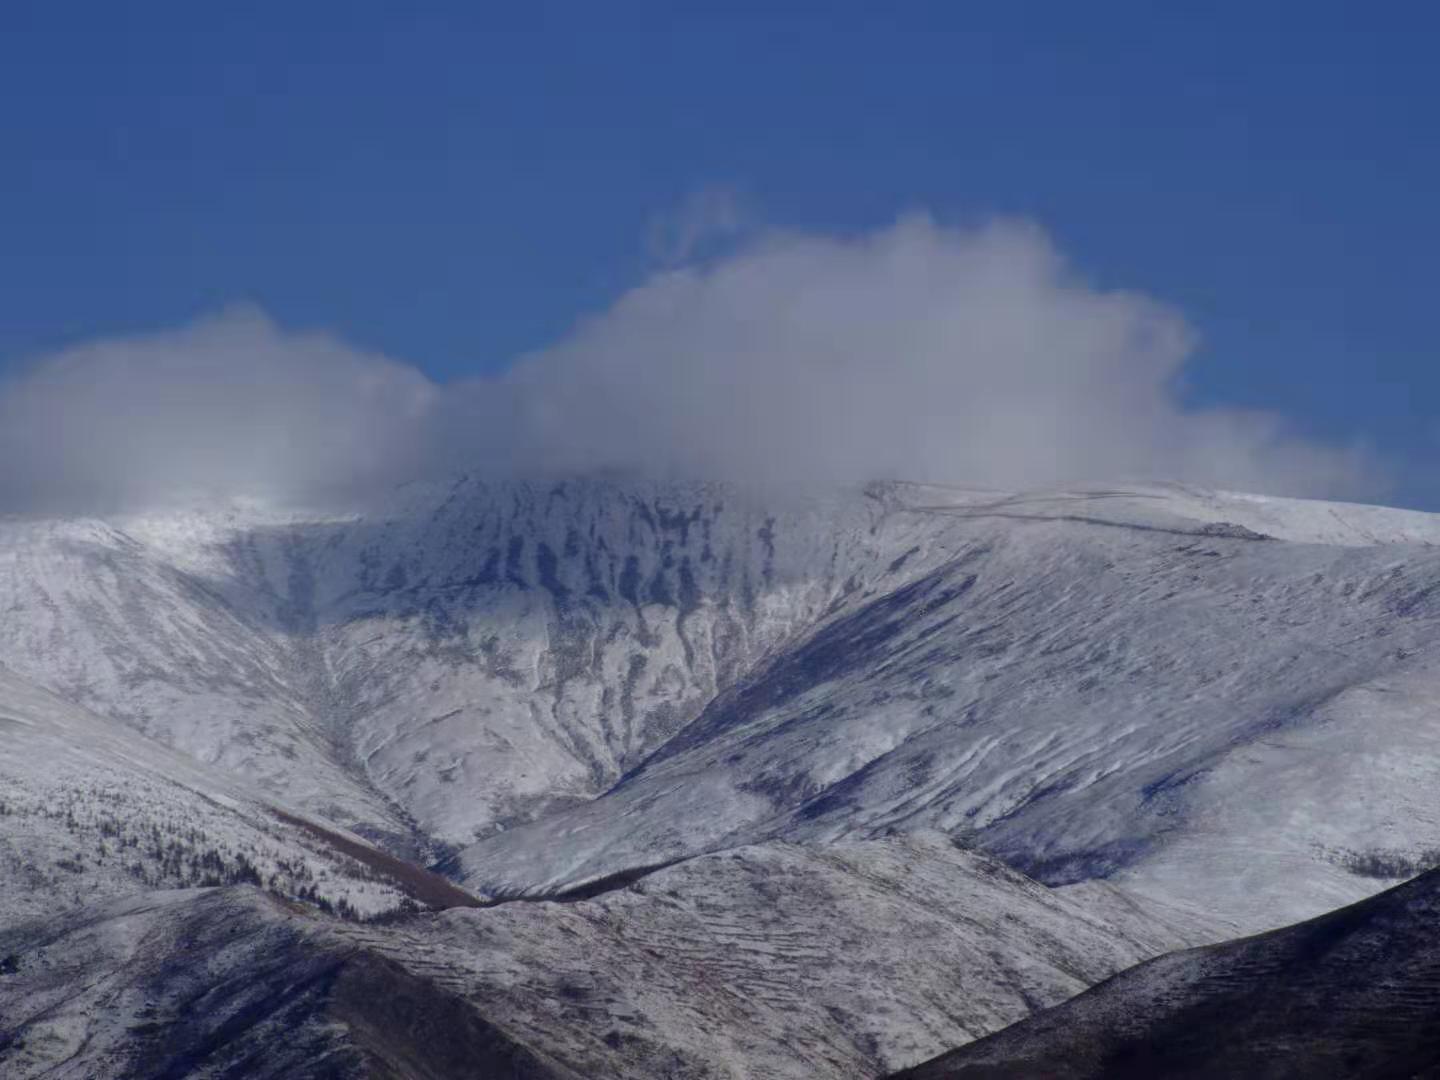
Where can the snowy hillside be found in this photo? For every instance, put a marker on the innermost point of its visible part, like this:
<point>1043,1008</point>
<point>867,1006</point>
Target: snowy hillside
<point>460,660</point>
<point>747,753</point>
<point>1090,684</point>
<point>1129,686</point>
<point>775,961</point>
<point>131,632</point>
<point>89,809</point>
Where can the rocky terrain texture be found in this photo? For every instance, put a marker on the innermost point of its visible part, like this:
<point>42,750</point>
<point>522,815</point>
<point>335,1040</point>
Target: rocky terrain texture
<point>775,961</point>
<point>641,779</point>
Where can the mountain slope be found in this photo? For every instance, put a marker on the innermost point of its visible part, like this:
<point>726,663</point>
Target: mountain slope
<point>777,961</point>
<point>143,633</point>
<point>751,755</point>
<point>89,809</point>
<point>453,662</point>
<point>1098,688</point>
<point>1352,994</point>
<point>230,982</point>
<point>574,680</point>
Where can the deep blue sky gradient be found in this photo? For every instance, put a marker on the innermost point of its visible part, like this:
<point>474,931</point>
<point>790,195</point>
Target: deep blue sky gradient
<point>454,183</point>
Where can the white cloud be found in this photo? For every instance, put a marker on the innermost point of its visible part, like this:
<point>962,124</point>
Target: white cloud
<point>231,405</point>
<point>916,351</point>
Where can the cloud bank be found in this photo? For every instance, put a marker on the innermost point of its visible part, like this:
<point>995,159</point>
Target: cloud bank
<point>918,351</point>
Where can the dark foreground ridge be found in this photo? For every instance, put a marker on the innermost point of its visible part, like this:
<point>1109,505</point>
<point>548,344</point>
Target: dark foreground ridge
<point>1352,994</point>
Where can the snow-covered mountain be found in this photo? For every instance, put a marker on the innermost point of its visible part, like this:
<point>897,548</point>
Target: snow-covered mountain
<point>462,660</point>
<point>1140,686</point>
<point>1196,711</point>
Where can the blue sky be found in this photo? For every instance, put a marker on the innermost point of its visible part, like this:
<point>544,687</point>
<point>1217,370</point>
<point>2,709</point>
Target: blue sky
<point>454,184</point>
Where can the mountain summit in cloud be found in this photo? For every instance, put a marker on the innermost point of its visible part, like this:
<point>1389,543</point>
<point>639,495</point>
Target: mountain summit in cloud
<point>918,351</point>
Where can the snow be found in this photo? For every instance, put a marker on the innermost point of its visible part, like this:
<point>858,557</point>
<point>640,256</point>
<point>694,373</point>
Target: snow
<point>572,679</point>
<point>1192,713</point>
<point>1111,685</point>
<point>770,961</point>
<point>89,810</point>
<point>1089,682</point>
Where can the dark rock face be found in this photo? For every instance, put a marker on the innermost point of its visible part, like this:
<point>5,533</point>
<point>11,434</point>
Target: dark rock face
<point>1352,994</point>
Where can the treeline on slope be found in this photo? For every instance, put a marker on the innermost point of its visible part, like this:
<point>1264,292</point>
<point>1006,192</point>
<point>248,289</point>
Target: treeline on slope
<point>170,851</point>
